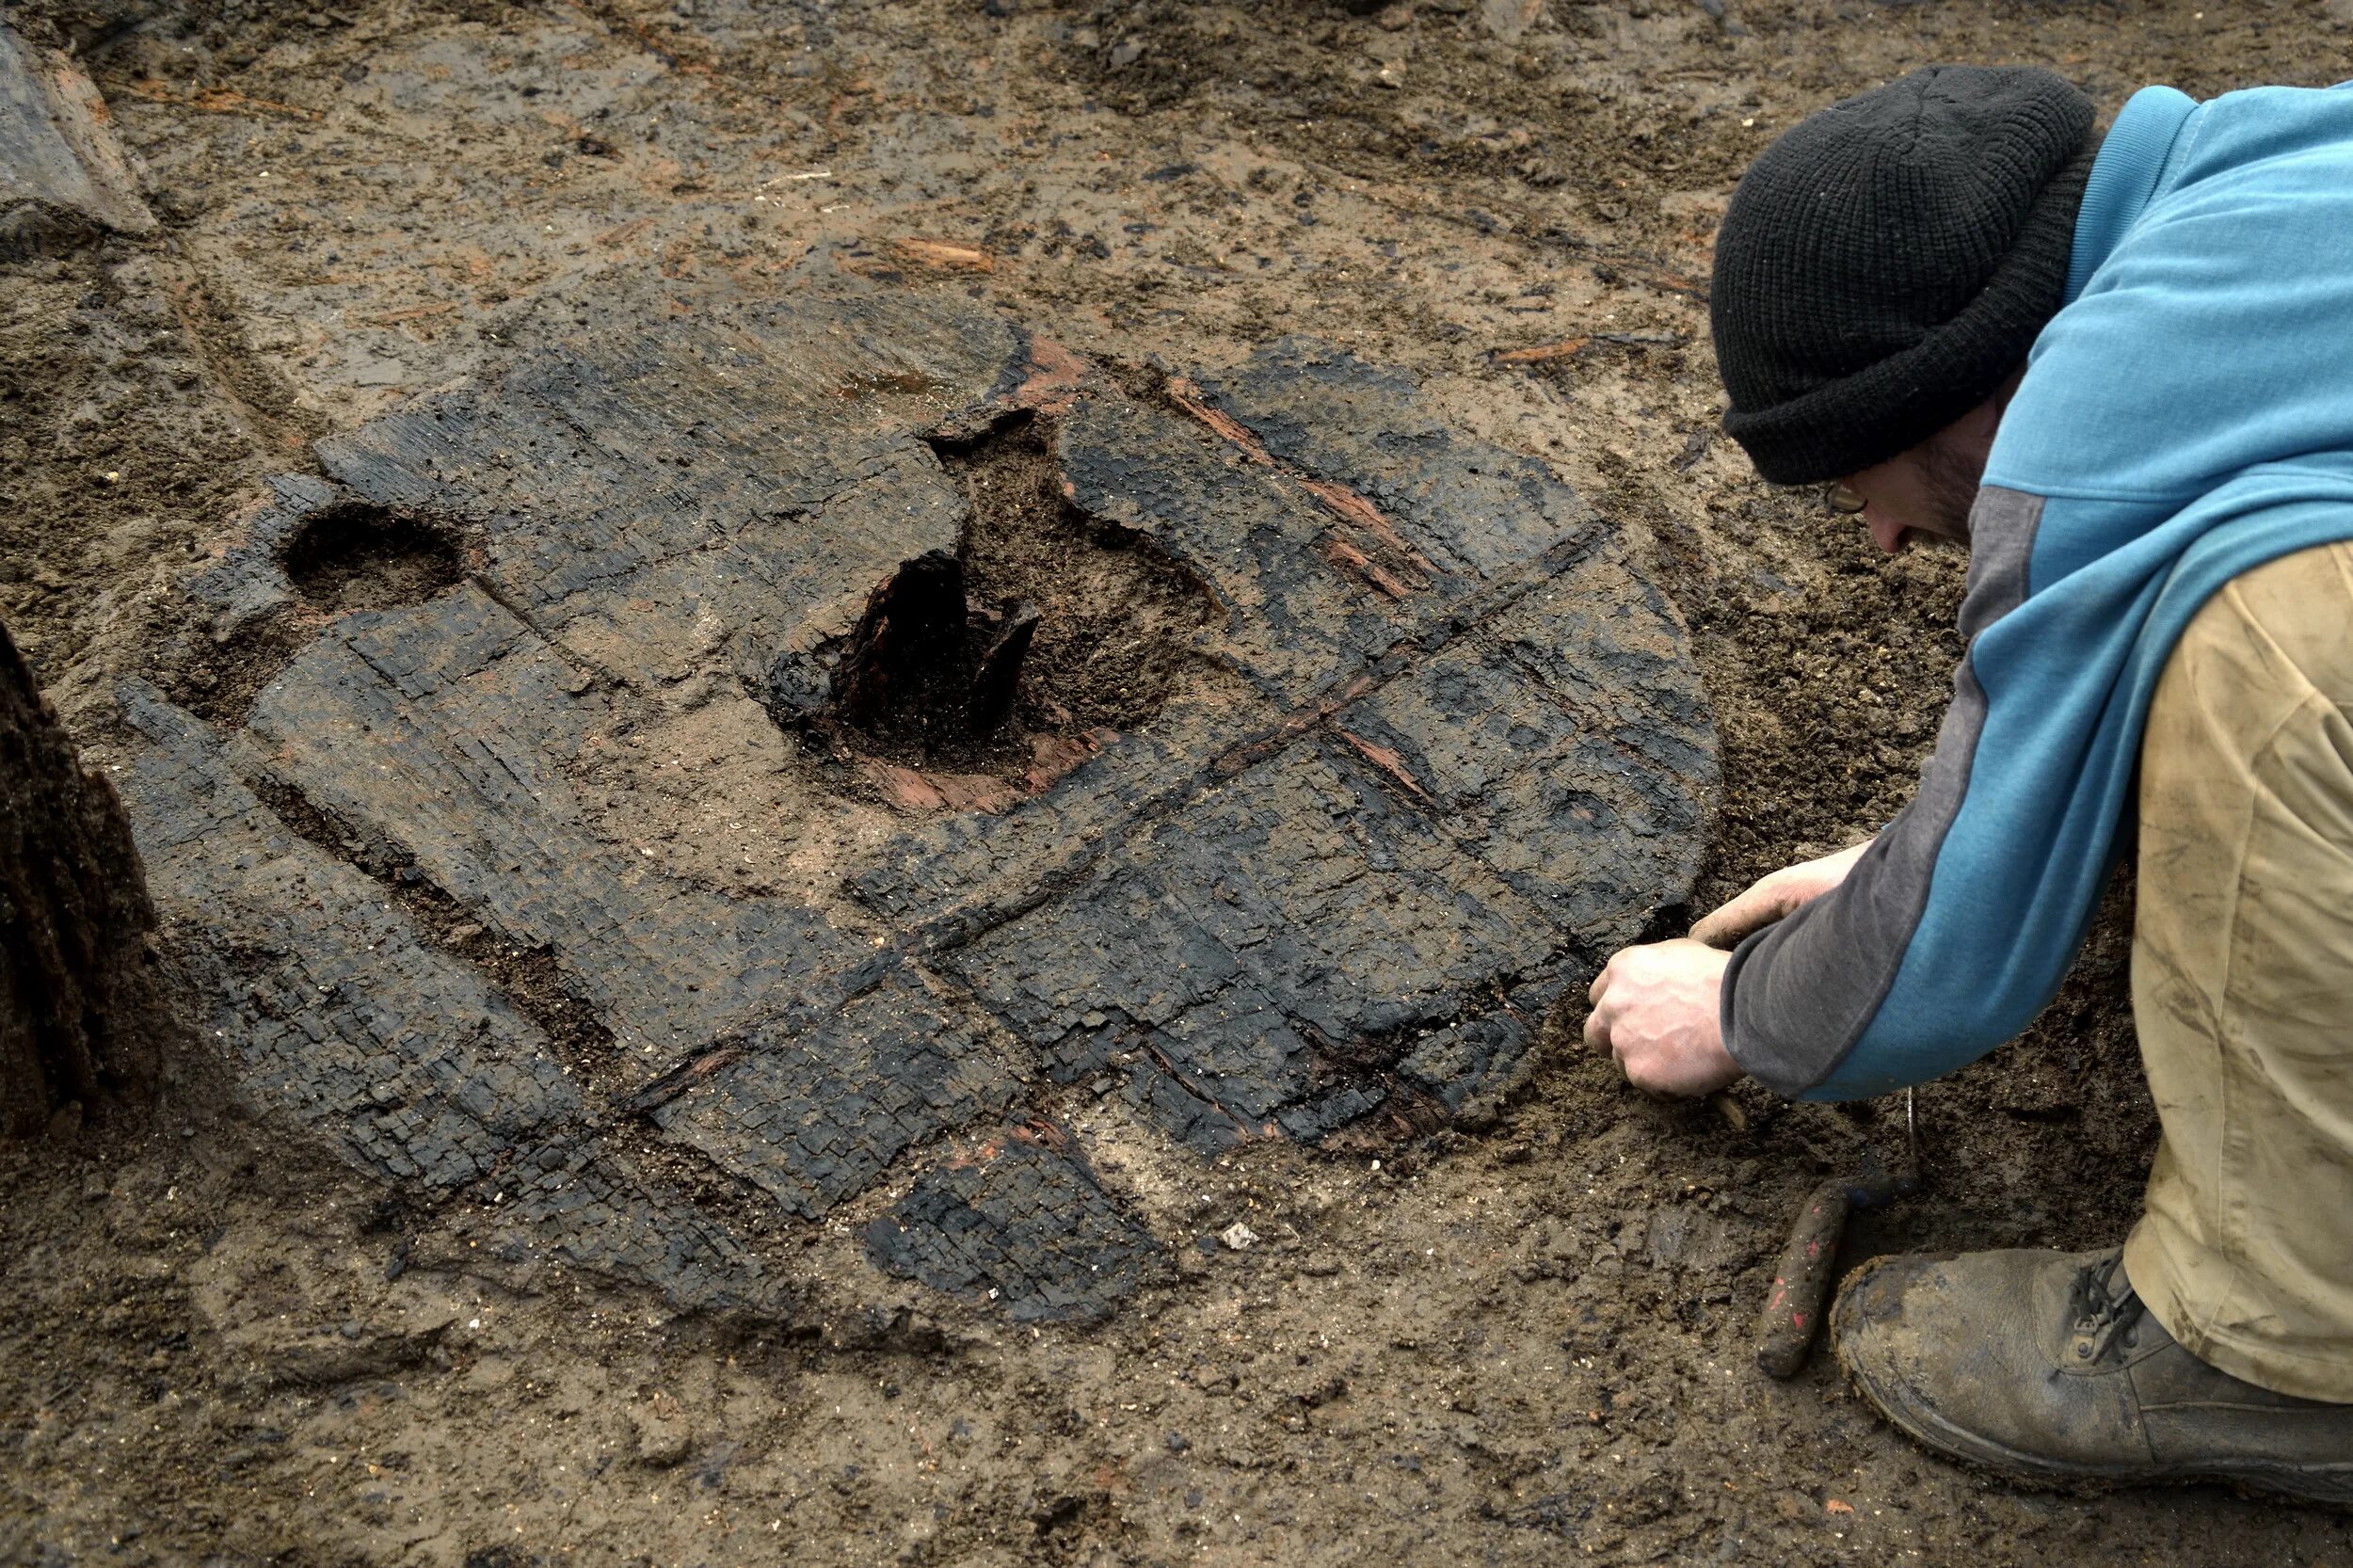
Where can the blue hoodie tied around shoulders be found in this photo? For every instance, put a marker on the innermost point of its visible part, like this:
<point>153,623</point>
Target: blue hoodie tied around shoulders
<point>2186,416</point>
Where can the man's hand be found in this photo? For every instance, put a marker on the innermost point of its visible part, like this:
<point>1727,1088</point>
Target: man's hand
<point>1658,1009</point>
<point>1654,1009</point>
<point>1769,898</point>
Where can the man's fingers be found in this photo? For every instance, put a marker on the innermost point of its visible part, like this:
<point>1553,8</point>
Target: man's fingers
<point>1728,924</point>
<point>1596,1031</point>
<point>1725,929</point>
<point>1600,986</point>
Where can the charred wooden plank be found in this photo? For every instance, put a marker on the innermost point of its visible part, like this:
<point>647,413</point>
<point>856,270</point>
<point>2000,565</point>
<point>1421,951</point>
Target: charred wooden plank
<point>1429,742</point>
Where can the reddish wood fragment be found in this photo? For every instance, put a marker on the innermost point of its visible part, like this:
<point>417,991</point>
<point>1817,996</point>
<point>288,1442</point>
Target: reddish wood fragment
<point>911,791</point>
<point>1187,396</point>
<point>1351,559</point>
<point>1542,352</point>
<point>1052,757</point>
<point>943,255</point>
<point>1055,375</point>
<point>1351,507</point>
<point>1387,761</point>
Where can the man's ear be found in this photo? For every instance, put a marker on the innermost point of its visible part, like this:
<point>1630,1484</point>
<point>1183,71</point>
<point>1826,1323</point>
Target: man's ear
<point>1999,402</point>
<point>1972,432</point>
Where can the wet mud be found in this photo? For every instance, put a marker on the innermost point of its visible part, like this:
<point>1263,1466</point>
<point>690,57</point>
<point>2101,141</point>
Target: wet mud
<point>525,1290</point>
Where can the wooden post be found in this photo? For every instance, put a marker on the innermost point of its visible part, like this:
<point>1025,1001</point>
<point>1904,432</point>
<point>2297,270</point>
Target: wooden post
<point>81,1015</point>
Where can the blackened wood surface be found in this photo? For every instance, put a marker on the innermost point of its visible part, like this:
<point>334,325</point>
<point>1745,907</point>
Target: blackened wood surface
<point>1441,748</point>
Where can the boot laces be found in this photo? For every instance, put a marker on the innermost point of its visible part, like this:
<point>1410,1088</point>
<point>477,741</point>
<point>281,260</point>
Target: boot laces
<point>2106,1310</point>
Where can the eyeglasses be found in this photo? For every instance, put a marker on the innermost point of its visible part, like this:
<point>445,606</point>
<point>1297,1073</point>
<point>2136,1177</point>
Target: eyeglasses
<point>1842,498</point>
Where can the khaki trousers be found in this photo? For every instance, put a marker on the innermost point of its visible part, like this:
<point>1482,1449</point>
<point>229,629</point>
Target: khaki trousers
<point>2243,980</point>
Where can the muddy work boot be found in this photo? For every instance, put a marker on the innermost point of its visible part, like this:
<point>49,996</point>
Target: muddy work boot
<point>2044,1366</point>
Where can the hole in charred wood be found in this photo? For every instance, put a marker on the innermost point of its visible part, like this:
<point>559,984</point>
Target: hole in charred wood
<point>219,681</point>
<point>927,665</point>
<point>1044,623</point>
<point>359,557</point>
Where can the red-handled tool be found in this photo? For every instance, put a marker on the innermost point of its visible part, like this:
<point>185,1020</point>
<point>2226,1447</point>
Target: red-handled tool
<point>1801,1280</point>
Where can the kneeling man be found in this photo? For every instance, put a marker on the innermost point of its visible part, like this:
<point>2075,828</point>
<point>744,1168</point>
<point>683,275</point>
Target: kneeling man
<point>2120,372</point>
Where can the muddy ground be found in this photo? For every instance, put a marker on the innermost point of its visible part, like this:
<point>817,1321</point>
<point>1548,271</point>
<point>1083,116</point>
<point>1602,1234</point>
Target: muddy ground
<point>1523,1339</point>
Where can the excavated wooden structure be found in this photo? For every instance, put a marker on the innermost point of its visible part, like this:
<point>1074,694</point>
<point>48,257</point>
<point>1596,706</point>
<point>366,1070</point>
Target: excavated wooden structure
<point>1436,748</point>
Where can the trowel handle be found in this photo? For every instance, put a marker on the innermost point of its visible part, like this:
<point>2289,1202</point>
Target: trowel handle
<point>1793,1307</point>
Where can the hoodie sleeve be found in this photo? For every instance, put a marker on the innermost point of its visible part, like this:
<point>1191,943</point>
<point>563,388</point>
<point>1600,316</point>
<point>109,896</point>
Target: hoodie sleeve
<point>2185,414</point>
<point>1806,1001</point>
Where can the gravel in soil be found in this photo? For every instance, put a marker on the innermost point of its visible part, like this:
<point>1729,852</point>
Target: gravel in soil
<point>1523,1340</point>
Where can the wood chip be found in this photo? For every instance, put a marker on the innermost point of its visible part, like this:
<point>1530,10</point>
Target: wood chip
<point>944,255</point>
<point>1542,352</point>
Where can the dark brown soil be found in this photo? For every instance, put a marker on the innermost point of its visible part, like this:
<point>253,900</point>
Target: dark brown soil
<point>1111,641</point>
<point>1520,1341</point>
<point>355,556</point>
<point>1114,618</point>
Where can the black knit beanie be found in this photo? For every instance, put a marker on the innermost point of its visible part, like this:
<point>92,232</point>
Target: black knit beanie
<point>1888,260</point>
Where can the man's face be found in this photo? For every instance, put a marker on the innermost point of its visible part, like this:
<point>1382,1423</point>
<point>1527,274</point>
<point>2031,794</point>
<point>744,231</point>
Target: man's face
<point>1928,489</point>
